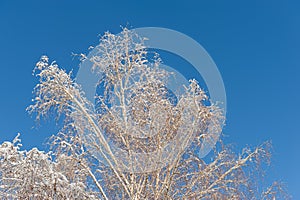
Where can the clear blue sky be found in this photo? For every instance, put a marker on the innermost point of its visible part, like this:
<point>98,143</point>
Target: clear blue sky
<point>255,44</point>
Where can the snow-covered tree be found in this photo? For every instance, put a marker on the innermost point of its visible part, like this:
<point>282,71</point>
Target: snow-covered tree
<point>137,143</point>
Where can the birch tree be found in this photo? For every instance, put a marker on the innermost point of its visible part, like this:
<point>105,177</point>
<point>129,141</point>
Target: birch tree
<point>137,143</point>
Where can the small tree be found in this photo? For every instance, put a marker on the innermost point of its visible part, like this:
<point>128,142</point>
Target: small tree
<point>139,142</point>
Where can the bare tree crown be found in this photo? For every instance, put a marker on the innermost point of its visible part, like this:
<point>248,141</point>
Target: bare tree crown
<point>140,141</point>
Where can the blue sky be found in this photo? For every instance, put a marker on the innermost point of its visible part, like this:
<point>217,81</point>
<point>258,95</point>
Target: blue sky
<point>255,44</point>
